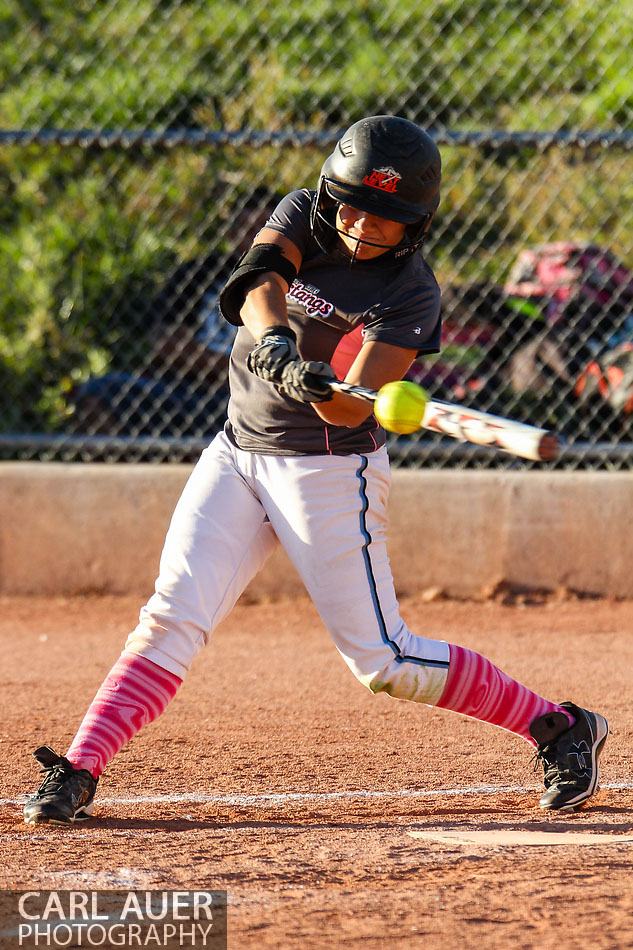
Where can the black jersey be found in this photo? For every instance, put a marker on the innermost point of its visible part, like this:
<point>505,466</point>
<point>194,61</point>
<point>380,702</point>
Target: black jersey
<point>389,302</point>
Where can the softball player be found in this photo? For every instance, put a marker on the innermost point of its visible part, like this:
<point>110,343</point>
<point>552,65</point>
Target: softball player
<point>304,467</point>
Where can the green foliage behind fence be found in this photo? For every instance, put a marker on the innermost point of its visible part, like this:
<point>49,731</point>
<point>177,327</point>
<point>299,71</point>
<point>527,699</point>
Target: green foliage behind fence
<point>89,233</point>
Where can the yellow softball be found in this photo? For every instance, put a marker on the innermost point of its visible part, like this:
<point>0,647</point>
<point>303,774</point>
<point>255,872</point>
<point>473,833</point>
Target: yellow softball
<point>399,406</point>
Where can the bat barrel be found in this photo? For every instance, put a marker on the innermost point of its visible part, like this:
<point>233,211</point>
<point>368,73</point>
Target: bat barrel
<point>471,425</point>
<point>550,447</point>
<point>483,428</point>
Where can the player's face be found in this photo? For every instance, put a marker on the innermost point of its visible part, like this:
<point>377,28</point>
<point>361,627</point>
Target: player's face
<point>356,226</point>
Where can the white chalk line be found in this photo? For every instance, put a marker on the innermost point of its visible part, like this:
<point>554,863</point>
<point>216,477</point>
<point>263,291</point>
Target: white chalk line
<point>291,798</point>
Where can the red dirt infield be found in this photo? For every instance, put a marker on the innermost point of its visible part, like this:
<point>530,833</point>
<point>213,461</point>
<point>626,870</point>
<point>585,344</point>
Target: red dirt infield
<point>276,776</point>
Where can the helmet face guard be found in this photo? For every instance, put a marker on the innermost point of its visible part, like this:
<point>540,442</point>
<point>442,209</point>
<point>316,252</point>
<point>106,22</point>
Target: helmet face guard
<point>386,166</point>
<point>324,228</point>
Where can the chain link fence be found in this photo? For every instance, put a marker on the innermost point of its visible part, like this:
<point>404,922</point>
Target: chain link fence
<point>143,142</point>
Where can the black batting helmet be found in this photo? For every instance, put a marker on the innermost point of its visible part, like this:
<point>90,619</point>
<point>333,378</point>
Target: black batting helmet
<point>387,166</point>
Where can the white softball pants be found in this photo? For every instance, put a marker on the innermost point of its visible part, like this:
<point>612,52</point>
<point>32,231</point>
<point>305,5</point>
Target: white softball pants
<point>328,512</point>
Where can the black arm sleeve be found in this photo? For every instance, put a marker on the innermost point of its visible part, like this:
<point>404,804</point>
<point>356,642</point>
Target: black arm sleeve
<point>259,259</point>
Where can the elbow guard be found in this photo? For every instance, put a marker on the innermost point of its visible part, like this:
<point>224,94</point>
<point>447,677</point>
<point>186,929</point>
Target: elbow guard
<point>259,259</point>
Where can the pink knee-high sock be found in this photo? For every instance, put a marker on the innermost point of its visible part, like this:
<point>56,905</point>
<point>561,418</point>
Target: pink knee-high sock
<point>476,687</point>
<point>135,692</point>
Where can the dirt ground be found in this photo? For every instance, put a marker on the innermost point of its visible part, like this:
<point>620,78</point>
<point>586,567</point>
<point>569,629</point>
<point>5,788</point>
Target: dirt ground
<point>276,776</point>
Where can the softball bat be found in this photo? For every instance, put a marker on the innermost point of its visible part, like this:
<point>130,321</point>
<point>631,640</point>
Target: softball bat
<point>481,428</point>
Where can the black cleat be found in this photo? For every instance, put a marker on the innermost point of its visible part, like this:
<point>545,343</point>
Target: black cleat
<point>66,794</point>
<point>569,755</point>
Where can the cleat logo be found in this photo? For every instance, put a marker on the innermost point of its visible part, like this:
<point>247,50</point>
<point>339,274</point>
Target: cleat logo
<point>581,752</point>
<point>385,179</point>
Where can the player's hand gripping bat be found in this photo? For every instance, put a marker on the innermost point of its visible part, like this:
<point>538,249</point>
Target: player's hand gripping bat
<point>404,407</point>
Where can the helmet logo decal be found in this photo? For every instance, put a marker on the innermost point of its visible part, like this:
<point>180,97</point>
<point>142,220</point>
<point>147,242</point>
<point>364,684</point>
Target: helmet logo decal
<point>385,179</point>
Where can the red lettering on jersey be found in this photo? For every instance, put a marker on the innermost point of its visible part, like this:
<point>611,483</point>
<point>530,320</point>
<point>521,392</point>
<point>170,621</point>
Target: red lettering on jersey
<point>312,303</point>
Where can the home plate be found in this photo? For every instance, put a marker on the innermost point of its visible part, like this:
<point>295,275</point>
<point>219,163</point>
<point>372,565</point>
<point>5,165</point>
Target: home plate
<point>522,838</point>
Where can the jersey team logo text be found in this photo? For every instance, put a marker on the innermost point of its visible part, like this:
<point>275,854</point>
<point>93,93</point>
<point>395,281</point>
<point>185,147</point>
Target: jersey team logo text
<point>385,179</point>
<point>309,297</point>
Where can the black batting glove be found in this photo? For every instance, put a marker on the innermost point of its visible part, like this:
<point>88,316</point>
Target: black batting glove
<point>276,347</point>
<point>307,381</point>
